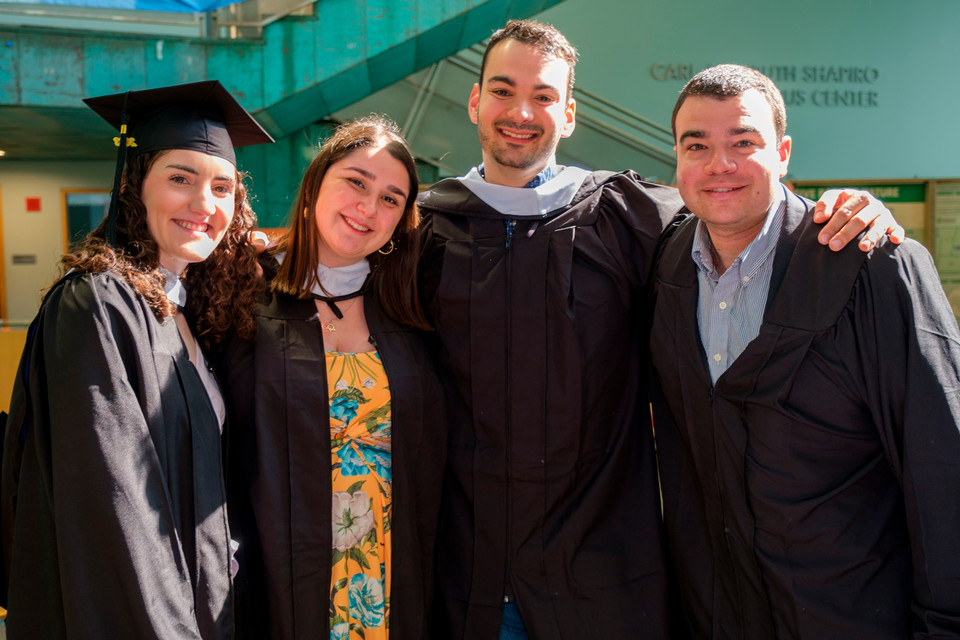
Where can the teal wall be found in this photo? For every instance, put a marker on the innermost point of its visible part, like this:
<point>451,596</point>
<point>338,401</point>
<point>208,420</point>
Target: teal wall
<point>274,171</point>
<point>913,48</point>
<point>303,69</point>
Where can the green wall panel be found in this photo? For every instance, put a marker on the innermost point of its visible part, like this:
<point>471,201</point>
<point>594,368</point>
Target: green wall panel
<point>389,24</point>
<point>10,44</point>
<point>112,66</point>
<point>398,62</point>
<point>171,61</point>
<point>431,13</point>
<point>52,70</point>
<point>278,80</point>
<point>346,88</point>
<point>290,59</point>
<point>343,44</point>
<point>484,20</point>
<point>239,67</point>
<point>301,54</point>
<point>528,7</point>
<point>298,111</point>
<point>446,36</point>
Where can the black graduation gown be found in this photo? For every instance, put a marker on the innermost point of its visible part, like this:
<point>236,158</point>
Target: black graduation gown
<point>551,491</point>
<point>279,473</point>
<point>116,480</point>
<point>814,491</point>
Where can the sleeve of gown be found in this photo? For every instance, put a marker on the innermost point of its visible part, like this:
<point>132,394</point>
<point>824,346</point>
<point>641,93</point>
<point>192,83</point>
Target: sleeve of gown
<point>907,327</point>
<point>429,263</point>
<point>120,563</point>
<point>236,367</point>
<point>633,217</point>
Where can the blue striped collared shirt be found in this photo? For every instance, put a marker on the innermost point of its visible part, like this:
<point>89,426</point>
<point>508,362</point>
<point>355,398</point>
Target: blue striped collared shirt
<point>731,305</point>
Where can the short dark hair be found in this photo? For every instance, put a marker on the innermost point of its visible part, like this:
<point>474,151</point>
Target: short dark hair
<point>543,37</point>
<point>730,81</point>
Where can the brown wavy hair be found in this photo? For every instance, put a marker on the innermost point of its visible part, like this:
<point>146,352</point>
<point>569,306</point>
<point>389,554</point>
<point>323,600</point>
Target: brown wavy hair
<point>393,277</point>
<point>222,290</point>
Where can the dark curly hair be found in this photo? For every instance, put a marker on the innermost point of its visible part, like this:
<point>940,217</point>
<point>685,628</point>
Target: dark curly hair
<point>393,277</point>
<point>223,289</point>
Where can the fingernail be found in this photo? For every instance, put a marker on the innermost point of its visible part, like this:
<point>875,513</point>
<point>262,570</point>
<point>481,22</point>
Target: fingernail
<point>836,245</point>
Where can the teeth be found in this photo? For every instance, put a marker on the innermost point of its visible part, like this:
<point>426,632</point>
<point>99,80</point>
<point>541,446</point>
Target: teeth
<point>516,135</point>
<point>193,226</point>
<point>354,225</point>
<point>722,189</point>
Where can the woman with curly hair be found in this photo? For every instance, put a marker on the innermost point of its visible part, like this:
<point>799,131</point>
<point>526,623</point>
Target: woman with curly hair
<point>337,439</point>
<point>114,519</point>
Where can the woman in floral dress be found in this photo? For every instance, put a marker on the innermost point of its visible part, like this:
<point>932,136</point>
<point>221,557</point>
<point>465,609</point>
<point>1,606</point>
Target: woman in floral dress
<point>335,509</point>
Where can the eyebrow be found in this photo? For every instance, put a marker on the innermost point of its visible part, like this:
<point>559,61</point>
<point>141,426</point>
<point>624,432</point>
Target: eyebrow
<point>504,79</point>
<point>366,174</point>
<point>192,171</point>
<point>692,134</point>
<point>699,135</point>
<point>738,131</point>
<point>509,82</point>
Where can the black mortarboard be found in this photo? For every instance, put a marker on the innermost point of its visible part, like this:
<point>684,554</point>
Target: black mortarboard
<point>200,116</point>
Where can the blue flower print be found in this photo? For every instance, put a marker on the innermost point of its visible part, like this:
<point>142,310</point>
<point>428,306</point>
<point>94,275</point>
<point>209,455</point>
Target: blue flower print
<point>356,458</point>
<point>352,463</point>
<point>382,460</point>
<point>382,430</point>
<point>340,631</point>
<point>366,600</point>
<point>344,409</point>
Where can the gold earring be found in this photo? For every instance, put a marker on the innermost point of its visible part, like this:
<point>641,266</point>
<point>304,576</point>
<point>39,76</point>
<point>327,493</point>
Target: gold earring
<point>304,213</point>
<point>388,251</point>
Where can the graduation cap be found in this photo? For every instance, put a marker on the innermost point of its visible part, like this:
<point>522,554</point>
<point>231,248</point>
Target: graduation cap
<point>199,116</point>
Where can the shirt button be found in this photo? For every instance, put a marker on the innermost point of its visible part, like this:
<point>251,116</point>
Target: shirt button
<point>716,357</point>
<point>746,278</point>
<point>723,305</point>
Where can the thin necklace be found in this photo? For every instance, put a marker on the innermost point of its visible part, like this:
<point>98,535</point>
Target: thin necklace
<point>332,303</point>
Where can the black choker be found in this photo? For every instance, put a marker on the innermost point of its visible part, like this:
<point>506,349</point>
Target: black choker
<point>332,301</point>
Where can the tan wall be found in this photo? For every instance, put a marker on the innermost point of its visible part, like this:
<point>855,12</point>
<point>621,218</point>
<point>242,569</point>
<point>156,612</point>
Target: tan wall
<point>38,233</point>
<point>11,347</point>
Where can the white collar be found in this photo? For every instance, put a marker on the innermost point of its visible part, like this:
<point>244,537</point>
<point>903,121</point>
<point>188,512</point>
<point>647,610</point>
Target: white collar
<point>340,281</point>
<point>519,201</point>
<point>174,288</point>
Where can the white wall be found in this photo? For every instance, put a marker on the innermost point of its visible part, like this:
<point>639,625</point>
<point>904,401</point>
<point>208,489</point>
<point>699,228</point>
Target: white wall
<point>38,233</point>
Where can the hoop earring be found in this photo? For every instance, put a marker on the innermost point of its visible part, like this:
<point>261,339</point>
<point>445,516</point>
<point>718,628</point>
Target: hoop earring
<point>388,251</point>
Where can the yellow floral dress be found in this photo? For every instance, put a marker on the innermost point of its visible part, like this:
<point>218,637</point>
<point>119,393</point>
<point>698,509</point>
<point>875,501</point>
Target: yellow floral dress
<point>362,497</point>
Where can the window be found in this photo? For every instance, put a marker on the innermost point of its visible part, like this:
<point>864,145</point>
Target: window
<point>83,211</point>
